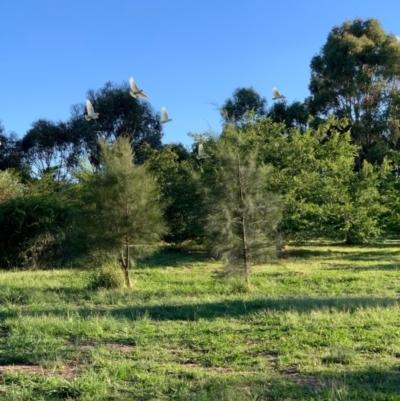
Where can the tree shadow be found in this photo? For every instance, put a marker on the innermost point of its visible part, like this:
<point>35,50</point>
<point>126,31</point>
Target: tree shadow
<point>342,254</point>
<point>171,258</point>
<point>371,255</point>
<point>308,254</point>
<point>379,266</point>
<point>228,308</point>
<point>368,384</point>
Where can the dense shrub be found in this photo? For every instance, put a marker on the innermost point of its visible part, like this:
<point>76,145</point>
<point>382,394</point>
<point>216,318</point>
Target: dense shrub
<point>33,231</point>
<point>10,186</point>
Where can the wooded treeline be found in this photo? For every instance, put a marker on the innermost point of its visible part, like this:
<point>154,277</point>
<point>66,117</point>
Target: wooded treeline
<point>325,167</point>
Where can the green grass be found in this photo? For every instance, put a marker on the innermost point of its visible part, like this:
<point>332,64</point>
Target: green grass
<point>322,324</point>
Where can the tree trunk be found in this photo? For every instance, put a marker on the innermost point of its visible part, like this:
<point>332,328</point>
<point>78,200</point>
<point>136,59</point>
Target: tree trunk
<point>127,278</point>
<point>125,262</point>
<point>244,239</point>
<point>245,254</point>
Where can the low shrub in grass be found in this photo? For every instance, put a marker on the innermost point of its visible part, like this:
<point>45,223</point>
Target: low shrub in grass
<point>109,276</point>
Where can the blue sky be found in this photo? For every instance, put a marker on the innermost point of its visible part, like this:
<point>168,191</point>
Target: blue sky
<point>185,54</point>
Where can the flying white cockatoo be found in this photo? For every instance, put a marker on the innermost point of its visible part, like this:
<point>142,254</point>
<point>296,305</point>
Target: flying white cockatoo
<point>90,112</point>
<point>277,95</point>
<point>135,91</point>
<point>164,116</point>
<point>201,154</point>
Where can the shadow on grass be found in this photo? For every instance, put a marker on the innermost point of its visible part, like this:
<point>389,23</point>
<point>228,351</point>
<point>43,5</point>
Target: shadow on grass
<point>372,384</point>
<point>308,254</point>
<point>343,254</point>
<point>228,308</point>
<point>170,258</point>
<point>371,255</point>
<point>361,385</point>
<point>368,384</point>
<point>388,266</point>
<point>394,266</point>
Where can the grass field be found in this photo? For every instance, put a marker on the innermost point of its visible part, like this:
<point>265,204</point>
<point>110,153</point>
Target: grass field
<point>321,324</point>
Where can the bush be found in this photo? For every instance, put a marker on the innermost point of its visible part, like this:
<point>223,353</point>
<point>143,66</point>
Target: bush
<point>10,186</point>
<point>108,277</point>
<point>33,231</point>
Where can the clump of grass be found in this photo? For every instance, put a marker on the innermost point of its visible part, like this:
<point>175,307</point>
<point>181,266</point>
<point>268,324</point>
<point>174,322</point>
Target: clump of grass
<point>109,276</point>
<point>238,287</point>
<point>340,356</point>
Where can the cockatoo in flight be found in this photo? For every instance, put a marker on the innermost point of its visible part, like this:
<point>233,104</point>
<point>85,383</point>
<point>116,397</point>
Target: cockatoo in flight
<point>90,112</point>
<point>277,95</point>
<point>135,91</point>
<point>164,116</point>
<point>201,154</point>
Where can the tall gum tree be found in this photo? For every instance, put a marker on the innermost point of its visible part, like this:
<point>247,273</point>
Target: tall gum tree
<point>357,75</point>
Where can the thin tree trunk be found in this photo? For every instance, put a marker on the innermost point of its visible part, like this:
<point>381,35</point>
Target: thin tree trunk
<point>245,253</point>
<point>244,239</point>
<point>125,264</point>
<point>279,244</point>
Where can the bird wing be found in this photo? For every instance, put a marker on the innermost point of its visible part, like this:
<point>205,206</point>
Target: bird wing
<point>133,85</point>
<point>277,95</point>
<point>89,107</point>
<point>164,114</point>
<point>141,94</point>
<point>275,92</point>
<point>201,151</point>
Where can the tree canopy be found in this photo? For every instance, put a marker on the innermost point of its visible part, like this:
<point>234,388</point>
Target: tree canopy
<point>357,75</point>
<point>243,100</point>
<point>121,205</point>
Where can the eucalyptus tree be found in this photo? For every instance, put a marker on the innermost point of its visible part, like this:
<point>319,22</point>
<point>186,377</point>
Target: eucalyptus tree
<point>120,114</point>
<point>243,101</point>
<point>50,146</point>
<point>293,115</point>
<point>10,150</point>
<point>357,75</point>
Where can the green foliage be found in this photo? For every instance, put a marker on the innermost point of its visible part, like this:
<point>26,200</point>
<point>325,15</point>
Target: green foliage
<point>33,231</point>
<point>51,147</point>
<point>243,101</point>
<point>122,205</point>
<point>180,192</point>
<point>10,186</point>
<point>351,209</point>
<point>314,172</point>
<point>109,276</point>
<point>389,190</point>
<point>356,76</point>
<point>244,213</point>
<point>120,115</point>
<point>294,115</point>
<point>10,151</point>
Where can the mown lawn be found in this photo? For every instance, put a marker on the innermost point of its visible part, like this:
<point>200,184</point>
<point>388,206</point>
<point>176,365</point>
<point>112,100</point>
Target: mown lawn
<point>321,324</point>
